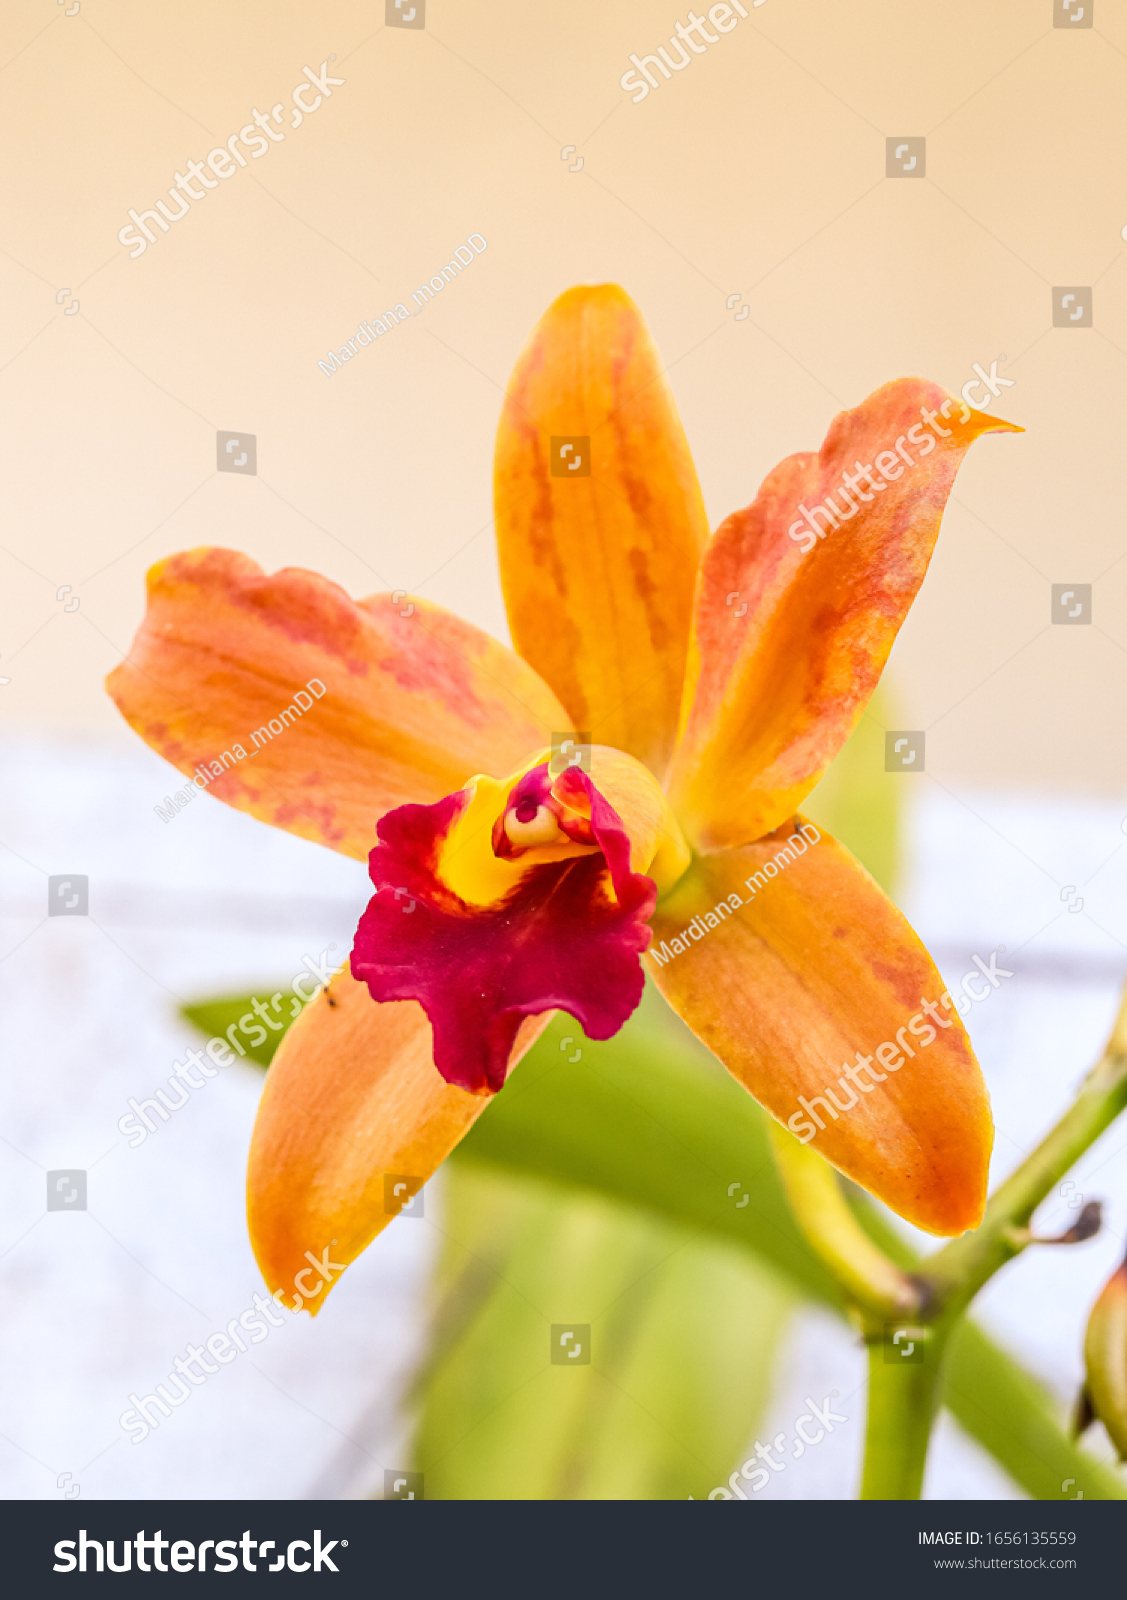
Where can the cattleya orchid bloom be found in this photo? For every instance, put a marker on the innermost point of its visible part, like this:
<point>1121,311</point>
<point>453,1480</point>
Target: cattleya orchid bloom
<point>708,683</point>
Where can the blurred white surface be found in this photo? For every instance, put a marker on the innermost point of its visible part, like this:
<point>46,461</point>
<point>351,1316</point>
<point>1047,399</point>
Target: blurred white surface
<point>100,1303</point>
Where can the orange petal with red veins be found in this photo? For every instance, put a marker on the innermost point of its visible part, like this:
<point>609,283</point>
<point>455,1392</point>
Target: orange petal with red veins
<point>598,563</point>
<point>792,630</point>
<point>809,970</point>
<point>401,707</point>
<point>351,1100</point>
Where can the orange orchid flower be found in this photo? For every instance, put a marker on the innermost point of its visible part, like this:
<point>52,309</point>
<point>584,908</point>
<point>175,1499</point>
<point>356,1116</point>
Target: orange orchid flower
<point>711,680</point>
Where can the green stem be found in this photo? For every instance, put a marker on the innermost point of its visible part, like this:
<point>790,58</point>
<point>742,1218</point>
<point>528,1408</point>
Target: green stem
<point>905,1356</point>
<point>1001,1407</point>
<point>870,1281</point>
<point>904,1388</point>
<point>955,1274</point>
<point>905,1362</point>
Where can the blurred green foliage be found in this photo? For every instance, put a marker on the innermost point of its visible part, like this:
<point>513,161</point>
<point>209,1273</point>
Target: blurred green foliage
<point>682,1334</point>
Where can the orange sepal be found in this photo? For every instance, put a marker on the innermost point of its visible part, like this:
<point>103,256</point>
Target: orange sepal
<point>403,708</point>
<point>351,1098</point>
<point>598,565</point>
<point>792,630</point>
<point>810,966</point>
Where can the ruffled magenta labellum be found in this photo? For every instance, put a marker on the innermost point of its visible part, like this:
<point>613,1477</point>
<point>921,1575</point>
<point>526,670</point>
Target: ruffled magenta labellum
<point>568,935</point>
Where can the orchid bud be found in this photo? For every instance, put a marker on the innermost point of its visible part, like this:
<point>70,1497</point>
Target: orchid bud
<point>1105,1356</point>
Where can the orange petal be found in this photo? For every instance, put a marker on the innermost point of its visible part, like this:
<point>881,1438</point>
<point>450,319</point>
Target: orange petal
<point>351,1099</point>
<point>792,630</point>
<point>598,566</point>
<point>402,707</point>
<point>807,972</point>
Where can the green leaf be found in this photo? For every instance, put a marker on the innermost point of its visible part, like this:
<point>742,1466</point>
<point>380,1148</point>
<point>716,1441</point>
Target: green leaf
<point>214,1017</point>
<point>680,1341</point>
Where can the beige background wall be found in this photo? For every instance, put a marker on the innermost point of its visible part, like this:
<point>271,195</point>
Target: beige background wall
<point>759,170</point>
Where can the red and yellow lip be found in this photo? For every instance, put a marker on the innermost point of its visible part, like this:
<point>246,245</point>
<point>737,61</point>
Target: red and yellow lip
<point>493,906</point>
